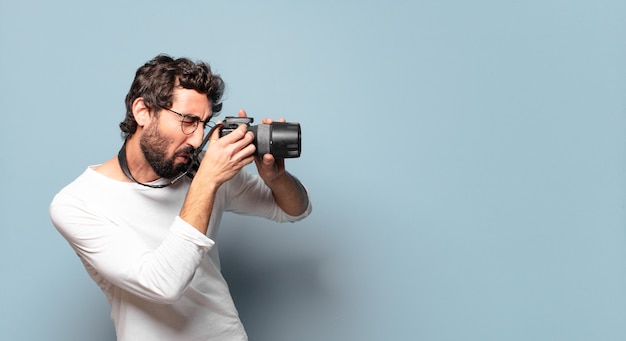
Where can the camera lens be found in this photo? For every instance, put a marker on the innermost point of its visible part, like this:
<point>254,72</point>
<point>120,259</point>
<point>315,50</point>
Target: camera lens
<point>281,139</point>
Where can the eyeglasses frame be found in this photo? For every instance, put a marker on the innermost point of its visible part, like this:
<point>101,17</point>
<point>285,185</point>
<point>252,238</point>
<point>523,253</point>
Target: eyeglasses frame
<point>195,121</point>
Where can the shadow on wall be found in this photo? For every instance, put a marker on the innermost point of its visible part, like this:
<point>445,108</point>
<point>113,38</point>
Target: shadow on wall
<point>276,280</point>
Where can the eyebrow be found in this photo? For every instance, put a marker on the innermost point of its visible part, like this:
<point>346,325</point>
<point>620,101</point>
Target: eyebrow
<point>192,116</point>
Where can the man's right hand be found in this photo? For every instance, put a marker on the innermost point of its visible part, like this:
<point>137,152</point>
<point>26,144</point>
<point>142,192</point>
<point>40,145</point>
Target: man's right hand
<point>224,158</point>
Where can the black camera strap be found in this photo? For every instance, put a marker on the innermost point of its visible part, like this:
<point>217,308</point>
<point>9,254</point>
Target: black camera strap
<point>121,158</point>
<point>194,163</point>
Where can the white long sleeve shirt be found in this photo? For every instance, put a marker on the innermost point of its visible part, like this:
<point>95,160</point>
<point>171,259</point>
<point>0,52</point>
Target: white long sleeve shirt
<point>160,275</point>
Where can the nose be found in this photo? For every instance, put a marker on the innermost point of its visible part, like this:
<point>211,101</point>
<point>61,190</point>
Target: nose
<point>195,139</point>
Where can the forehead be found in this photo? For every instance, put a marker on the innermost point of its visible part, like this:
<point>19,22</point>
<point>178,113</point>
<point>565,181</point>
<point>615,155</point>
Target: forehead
<point>189,101</point>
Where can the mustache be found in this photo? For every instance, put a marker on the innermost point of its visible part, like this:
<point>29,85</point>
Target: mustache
<point>188,150</point>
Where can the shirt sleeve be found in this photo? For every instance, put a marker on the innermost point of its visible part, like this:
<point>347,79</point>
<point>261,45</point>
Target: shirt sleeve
<point>247,194</point>
<point>123,259</point>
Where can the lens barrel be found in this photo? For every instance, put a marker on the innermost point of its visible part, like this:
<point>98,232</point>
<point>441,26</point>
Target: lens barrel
<point>281,139</point>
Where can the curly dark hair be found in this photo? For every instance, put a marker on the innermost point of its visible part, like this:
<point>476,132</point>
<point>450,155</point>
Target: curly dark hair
<point>155,82</point>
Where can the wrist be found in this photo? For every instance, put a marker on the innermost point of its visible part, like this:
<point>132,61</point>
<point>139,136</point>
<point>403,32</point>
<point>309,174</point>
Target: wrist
<point>278,180</point>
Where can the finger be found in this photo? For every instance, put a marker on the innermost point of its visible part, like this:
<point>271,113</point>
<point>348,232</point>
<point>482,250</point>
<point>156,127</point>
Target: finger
<point>242,113</point>
<point>270,121</point>
<point>268,160</point>
<point>235,135</point>
<point>246,161</point>
<point>215,135</point>
<point>246,153</point>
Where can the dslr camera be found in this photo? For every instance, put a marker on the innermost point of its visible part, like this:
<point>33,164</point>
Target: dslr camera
<point>281,139</point>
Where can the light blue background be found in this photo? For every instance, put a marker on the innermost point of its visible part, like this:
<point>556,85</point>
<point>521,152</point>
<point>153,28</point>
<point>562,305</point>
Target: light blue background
<point>466,160</point>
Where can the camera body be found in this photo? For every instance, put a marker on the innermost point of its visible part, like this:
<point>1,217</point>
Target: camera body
<point>281,139</point>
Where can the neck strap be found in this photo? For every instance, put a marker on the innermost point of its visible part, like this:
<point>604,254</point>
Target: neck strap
<point>190,171</point>
<point>121,158</point>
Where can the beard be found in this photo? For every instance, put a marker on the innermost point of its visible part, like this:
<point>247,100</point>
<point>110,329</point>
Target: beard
<point>154,148</point>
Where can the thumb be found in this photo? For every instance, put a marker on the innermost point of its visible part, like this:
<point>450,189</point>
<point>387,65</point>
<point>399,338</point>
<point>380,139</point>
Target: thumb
<point>268,160</point>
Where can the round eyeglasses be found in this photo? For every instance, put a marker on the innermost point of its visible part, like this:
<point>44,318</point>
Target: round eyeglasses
<point>189,123</point>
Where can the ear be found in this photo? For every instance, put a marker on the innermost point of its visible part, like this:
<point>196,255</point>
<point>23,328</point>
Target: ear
<point>141,112</point>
